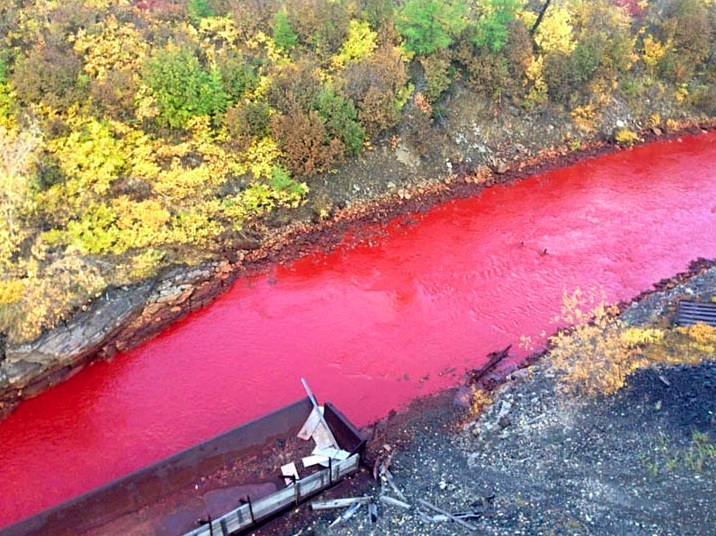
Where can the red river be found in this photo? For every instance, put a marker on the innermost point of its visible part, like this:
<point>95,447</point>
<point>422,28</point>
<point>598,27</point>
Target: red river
<point>375,325</point>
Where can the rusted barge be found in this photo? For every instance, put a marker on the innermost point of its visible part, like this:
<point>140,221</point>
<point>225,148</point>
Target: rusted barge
<point>166,499</point>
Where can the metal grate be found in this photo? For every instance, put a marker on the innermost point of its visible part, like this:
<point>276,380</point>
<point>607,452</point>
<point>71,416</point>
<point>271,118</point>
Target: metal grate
<point>691,312</point>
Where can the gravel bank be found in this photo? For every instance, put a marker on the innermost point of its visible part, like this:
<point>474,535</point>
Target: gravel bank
<point>537,462</point>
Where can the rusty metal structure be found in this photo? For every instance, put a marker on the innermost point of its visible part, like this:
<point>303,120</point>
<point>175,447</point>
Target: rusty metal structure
<point>90,513</point>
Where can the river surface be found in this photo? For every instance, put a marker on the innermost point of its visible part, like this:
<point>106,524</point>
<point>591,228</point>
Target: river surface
<point>373,325</point>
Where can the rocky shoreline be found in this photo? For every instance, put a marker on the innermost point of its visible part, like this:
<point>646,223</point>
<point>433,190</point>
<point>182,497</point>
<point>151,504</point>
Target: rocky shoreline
<point>124,318</point>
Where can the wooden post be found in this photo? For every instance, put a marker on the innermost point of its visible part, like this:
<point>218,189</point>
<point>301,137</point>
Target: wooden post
<point>251,509</point>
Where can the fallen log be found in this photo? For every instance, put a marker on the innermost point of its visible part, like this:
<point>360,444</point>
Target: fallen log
<point>476,375</point>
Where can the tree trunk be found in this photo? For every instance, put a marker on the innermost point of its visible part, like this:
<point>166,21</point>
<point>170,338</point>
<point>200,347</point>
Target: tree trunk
<point>540,17</point>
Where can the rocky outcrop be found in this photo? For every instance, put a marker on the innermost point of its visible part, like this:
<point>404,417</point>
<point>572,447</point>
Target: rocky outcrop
<point>118,321</point>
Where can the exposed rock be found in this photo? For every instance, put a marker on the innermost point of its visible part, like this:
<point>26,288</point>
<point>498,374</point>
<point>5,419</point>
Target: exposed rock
<point>118,321</point>
<point>406,157</point>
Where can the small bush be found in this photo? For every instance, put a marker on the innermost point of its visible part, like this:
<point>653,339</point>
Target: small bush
<point>438,74</point>
<point>486,72</point>
<point>250,119</point>
<point>341,119</point>
<point>305,143</point>
<point>626,137</point>
<point>600,352</point>
<point>182,88</point>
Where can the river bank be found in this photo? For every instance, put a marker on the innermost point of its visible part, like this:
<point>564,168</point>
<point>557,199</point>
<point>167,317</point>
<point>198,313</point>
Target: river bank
<point>641,461</point>
<point>123,318</point>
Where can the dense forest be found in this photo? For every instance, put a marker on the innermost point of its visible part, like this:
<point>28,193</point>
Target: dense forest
<point>139,134</point>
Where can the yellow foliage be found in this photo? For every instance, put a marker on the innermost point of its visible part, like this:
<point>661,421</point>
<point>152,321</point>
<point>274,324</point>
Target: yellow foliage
<point>140,223</point>
<point>56,290</point>
<point>261,156</point>
<point>654,120</point>
<point>144,264</point>
<point>116,47</point>
<point>583,117</point>
<point>682,92</point>
<point>185,185</point>
<point>218,34</point>
<point>18,154</point>
<point>195,225</point>
<point>653,51</point>
<point>555,33</point>
<point>360,43</point>
<point>594,358</point>
<point>480,400</point>
<point>89,155</point>
<point>672,125</point>
<point>145,104</point>
<point>600,352</point>
<point>11,290</point>
<point>537,94</point>
<point>626,137</point>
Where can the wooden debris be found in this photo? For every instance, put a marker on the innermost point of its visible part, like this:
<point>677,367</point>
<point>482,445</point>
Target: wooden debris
<point>448,514</point>
<point>338,503</point>
<point>383,461</point>
<point>389,478</point>
<point>345,516</point>
<point>318,411</point>
<point>494,359</point>
<point>310,461</point>
<point>386,499</point>
<point>290,473</point>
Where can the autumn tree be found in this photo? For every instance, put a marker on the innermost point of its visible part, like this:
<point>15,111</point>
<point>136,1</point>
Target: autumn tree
<point>49,73</point>
<point>376,84</point>
<point>687,26</point>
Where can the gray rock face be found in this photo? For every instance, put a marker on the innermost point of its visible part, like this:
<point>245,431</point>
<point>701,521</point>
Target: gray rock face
<point>120,320</point>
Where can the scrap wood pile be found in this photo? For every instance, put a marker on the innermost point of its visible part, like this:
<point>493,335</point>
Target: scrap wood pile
<point>391,496</point>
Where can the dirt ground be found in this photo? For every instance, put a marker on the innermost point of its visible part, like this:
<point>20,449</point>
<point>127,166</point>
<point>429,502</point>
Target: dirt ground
<point>640,462</point>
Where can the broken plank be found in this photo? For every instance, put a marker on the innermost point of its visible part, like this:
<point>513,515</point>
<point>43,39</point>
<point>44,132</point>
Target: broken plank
<point>338,503</point>
<point>448,514</point>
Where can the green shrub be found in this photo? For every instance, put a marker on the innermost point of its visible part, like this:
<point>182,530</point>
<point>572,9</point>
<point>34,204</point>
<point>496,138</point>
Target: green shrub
<point>283,35</point>
<point>238,76</point>
<point>686,25</point>
<point>199,9</point>
<point>438,75</point>
<point>182,88</point>
<point>341,119</point>
<point>428,25</point>
<point>492,30</point>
